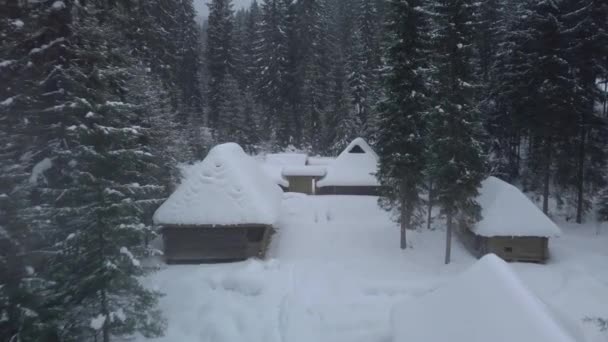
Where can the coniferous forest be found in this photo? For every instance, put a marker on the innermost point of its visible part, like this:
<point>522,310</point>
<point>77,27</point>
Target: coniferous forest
<point>100,100</point>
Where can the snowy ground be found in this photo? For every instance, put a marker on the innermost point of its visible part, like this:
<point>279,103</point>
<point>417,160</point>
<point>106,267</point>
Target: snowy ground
<point>335,271</point>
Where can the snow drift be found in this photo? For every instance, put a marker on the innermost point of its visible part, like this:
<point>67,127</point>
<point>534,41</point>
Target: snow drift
<point>228,187</point>
<point>488,302</point>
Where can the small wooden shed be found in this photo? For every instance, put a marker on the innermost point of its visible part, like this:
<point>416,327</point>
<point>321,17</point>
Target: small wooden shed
<point>303,179</point>
<point>224,210</point>
<point>511,226</point>
<point>274,164</point>
<point>352,173</point>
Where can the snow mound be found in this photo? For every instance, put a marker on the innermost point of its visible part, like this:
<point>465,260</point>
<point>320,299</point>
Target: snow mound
<point>488,302</point>
<point>286,159</point>
<point>307,170</point>
<point>356,165</point>
<point>228,187</point>
<point>506,211</point>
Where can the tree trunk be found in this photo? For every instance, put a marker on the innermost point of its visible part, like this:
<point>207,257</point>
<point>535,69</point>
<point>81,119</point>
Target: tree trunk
<point>429,209</point>
<point>448,239</point>
<point>106,323</point>
<point>547,176</point>
<point>404,224</point>
<point>580,178</point>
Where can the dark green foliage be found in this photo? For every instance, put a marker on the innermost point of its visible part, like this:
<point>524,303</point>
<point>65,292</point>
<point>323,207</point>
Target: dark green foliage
<point>220,55</point>
<point>401,144</point>
<point>456,161</point>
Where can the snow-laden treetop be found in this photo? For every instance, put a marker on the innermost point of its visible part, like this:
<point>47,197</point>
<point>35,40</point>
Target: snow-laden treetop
<point>228,187</point>
<point>355,166</point>
<point>507,211</point>
<point>488,302</point>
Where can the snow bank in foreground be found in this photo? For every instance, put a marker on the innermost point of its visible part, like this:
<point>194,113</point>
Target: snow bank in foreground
<point>507,211</point>
<point>488,302</point>
<point>228,187</point>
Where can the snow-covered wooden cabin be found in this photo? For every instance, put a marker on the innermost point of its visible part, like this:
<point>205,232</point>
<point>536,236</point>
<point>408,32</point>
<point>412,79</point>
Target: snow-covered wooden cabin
<point>352,173</point>
<point>303,179</point>
<point>499,308</point>
<point>224,210</point>
<point>511,227</point>
<point>274,163</point>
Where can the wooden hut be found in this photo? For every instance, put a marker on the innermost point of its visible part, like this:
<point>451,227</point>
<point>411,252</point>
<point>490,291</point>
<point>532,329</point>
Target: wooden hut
<point>352,173</point>
<point>511,226</point>
<point>487,302</point>
<point>224,210</point>
<point>274,163</point>
<point>303,179</point>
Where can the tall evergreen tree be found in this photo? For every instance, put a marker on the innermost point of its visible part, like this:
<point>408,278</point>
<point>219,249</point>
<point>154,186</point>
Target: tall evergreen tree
<point>456,162</point>
<point>220,55</point>
<point>401,145</point>
<point>313,70</point>
<point>92,174</point>
<point>271,64</point>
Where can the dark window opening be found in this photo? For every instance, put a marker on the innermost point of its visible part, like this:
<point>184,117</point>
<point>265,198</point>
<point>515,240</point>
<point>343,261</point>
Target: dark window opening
<point>356,149</point>
<point>509,249</point>
<point>255,234</point>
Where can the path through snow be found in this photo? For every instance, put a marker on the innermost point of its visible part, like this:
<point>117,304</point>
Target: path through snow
<point>335,271</point>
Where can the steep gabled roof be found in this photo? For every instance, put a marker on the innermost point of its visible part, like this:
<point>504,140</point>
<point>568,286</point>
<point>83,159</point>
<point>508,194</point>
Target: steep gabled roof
<point>488,302</point>
<point>355,166</point>
<point>506,211</point>
<point>227,188</point>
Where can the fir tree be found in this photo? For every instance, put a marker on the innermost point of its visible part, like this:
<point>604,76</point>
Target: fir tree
<point>271,64</point>
<point>456,163</point>
<point>220,55</point>
<point>313,70</point>
<point>401,146</point>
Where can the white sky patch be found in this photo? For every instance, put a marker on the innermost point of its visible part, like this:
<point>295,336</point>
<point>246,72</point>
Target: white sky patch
<point>203,10</point>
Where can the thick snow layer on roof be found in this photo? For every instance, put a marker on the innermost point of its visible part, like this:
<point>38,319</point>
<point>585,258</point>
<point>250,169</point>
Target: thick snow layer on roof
<point>488,302</point>
<point>320,160</point>
<point>286,159</point>
<point>307,170</point>
<point>275,173</point>
<point>356,165</point>
<point>507,211</point>
<point>228,187</point>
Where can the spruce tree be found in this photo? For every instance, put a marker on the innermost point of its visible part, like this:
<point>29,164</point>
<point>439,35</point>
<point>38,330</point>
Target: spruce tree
<point>455,157</point>
<point>93,179</point>
<point>312,70</point>
<point>401,144</point>
<point>271,65</point>
<point>220,55</point>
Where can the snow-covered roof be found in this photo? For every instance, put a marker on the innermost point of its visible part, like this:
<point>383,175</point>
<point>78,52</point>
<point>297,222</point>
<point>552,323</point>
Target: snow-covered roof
<point>286,159</point>
<point>307,170</point>
<point>320,160</point>
<point>488,302</point>
<point>506,211</point>
<point>275,173</point>
<point>355,166</point>
<point>228,187</point>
